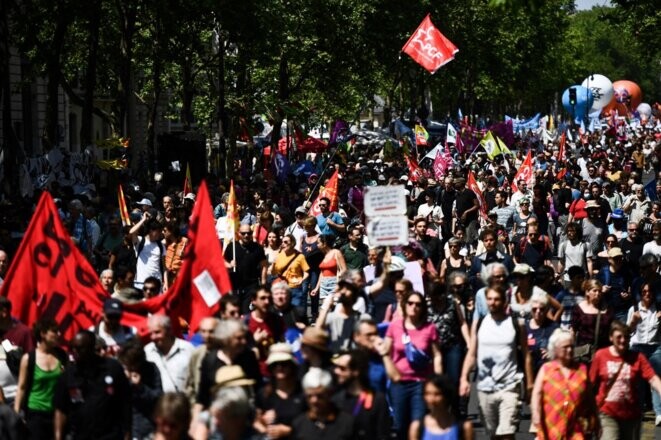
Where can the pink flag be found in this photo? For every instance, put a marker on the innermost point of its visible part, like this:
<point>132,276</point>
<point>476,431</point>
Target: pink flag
<point>440,165</point>
<point>429,47</point>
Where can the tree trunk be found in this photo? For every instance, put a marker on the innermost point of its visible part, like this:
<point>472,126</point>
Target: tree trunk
<point>225,156</point>
<point>87,125</point>
<point>54,73</point>
<point>187,93</point>
<point>127,14</point>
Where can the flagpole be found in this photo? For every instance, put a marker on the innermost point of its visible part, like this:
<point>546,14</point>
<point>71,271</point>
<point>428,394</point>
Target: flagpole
<point>330,160</point>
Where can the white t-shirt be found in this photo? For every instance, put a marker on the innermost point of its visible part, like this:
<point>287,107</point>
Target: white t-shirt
<point>652,247</point>
<point>149,261</point>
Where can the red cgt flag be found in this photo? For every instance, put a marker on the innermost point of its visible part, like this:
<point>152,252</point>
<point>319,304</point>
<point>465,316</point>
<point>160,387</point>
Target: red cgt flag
<point>202,279</point>
<point>525,172</point>
<point>471,183</point>
<point>330,191</point>
<point>50,278</point>
<point>429,47</point>
<point>415,172</point>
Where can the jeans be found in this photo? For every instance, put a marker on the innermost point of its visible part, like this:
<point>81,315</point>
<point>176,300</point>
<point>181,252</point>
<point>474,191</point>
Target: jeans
<point>407,405</point>
<point>653,354</point>
<point>309,284</point>
<point>298,298</point>
<point>453,359</point>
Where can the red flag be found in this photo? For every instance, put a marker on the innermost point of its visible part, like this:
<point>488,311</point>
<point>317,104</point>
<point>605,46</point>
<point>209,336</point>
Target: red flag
<point>440,165</point>
<point>50,278</point>
<point>459,144</point>
<point>123,210</point>
<point>525,172</point>
<point>202,279</point>
<point>329,191</point>
<point>561,148</point>
<point>414,169</point>
<point>429,47</point>
<point>471,183</point>
<point>188,182</point>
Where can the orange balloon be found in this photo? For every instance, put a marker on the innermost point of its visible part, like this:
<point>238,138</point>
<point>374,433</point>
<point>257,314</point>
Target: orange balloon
<point>612,106</point>
<point>627,93</point>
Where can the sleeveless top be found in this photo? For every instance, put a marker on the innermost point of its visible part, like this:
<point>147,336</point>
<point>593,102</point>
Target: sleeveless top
<point>43,388</point>
<point>453,434</point>
<point>497,365</point>
<point>312,254</point>
<point>449,268</point>
<point>328,267</point>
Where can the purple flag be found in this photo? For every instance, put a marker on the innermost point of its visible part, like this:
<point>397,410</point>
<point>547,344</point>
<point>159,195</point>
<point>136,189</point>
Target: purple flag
<point>505,131</point>
<point>339,133</point>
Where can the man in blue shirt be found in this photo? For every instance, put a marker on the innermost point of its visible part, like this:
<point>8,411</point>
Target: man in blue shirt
<point>330,223</point>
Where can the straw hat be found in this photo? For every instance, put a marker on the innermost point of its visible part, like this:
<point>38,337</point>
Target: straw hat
<point>232,376</point>
<point>316,338</point>
<point>280,352</point>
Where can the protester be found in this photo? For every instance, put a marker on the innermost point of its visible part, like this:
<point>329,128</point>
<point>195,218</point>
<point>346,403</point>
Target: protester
<point>169,353</point>
<point>615,372</point>
<point>563,399</point>
<point>99,408</point>
<point>39,372</point>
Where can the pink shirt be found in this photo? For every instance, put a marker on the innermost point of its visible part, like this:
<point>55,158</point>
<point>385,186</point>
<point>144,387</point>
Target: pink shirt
<point>422,338</point>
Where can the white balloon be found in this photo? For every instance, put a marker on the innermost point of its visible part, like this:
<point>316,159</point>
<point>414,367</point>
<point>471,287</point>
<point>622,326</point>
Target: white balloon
<point>602,90</point>
<point>644,110</point>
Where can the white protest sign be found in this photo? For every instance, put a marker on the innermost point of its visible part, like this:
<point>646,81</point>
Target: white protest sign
<point>388,231</point>
<point>385,200</point>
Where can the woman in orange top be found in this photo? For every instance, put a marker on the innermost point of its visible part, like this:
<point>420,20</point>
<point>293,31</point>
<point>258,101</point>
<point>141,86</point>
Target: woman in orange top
<point>332,267</point>
<point>563,406</point>
<point>175,247</point>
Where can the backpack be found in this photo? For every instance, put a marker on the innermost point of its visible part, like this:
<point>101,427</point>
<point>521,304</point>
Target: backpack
<point>524,242</point>
<point>141,246</point>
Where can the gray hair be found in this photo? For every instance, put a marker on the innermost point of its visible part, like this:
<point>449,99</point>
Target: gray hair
<point>559,335</point>
<point>489,269</point>
<point>159,320</point>
<point>106,271</point>
<point>457,274</point>
<point>317,378</point>
<point>280,285</point>
<point>232,400</point>
<point>361,321</point>
<point>226,328</point>
<point>541,298</point>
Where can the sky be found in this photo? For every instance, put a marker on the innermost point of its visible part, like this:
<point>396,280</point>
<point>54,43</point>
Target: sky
<point>582,5</point>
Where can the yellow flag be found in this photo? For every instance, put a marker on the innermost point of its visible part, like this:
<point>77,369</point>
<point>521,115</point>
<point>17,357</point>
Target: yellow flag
<point>490,145</point>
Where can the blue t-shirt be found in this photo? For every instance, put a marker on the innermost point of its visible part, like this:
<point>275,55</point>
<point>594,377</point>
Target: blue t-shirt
<point>322,222</point>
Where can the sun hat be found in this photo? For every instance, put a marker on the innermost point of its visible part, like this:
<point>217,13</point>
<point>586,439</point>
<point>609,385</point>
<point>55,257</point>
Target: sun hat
<point>280,352</point>
<point>316,338</point>
<point>232,376</point>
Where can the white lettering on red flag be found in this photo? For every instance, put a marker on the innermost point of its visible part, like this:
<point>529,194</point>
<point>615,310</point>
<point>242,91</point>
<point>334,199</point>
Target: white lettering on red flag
<point>429,47</point>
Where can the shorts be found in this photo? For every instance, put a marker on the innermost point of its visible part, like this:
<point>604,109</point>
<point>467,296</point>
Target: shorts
<point>500,411</point>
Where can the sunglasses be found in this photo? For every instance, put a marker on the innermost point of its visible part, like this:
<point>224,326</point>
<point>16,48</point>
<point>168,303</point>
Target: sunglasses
<point>458,286</point>
<point>414,303</point>
<point>245,233</point>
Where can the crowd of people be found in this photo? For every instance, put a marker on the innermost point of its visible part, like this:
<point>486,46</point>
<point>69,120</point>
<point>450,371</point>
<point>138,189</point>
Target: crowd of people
<point>545,290</point>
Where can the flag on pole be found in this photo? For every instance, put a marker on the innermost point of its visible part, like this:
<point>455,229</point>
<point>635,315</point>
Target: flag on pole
<point>49,278</point>
<point>490,145</point>
<point>429,47</point>
<point>123,211</point>
<point>452,135</point>
<point>471,183</point>
<point>561,148</point>
<point>188,183</point>
<point>441,165</point>
<point>525,172</point>
<point>421,135</point>
<point>414,169</point>
<point>503,147</point>
<point>231,233</point>
<point>202,279</point>
<point>551,123</point>
<point>330,192</point>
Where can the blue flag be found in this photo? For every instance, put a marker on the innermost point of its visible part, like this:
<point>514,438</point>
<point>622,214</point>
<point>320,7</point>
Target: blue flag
<point>281,166</point>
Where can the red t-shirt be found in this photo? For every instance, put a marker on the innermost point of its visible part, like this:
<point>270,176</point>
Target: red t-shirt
<point>274,327</point>
<point>622,401</point>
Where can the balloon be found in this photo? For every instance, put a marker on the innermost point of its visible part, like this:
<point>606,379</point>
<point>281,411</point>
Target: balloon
<point>644,110</point>
<point>614,106</point>
<point>627,93</point>
<point>602,90</point>
<point>584,101</point>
